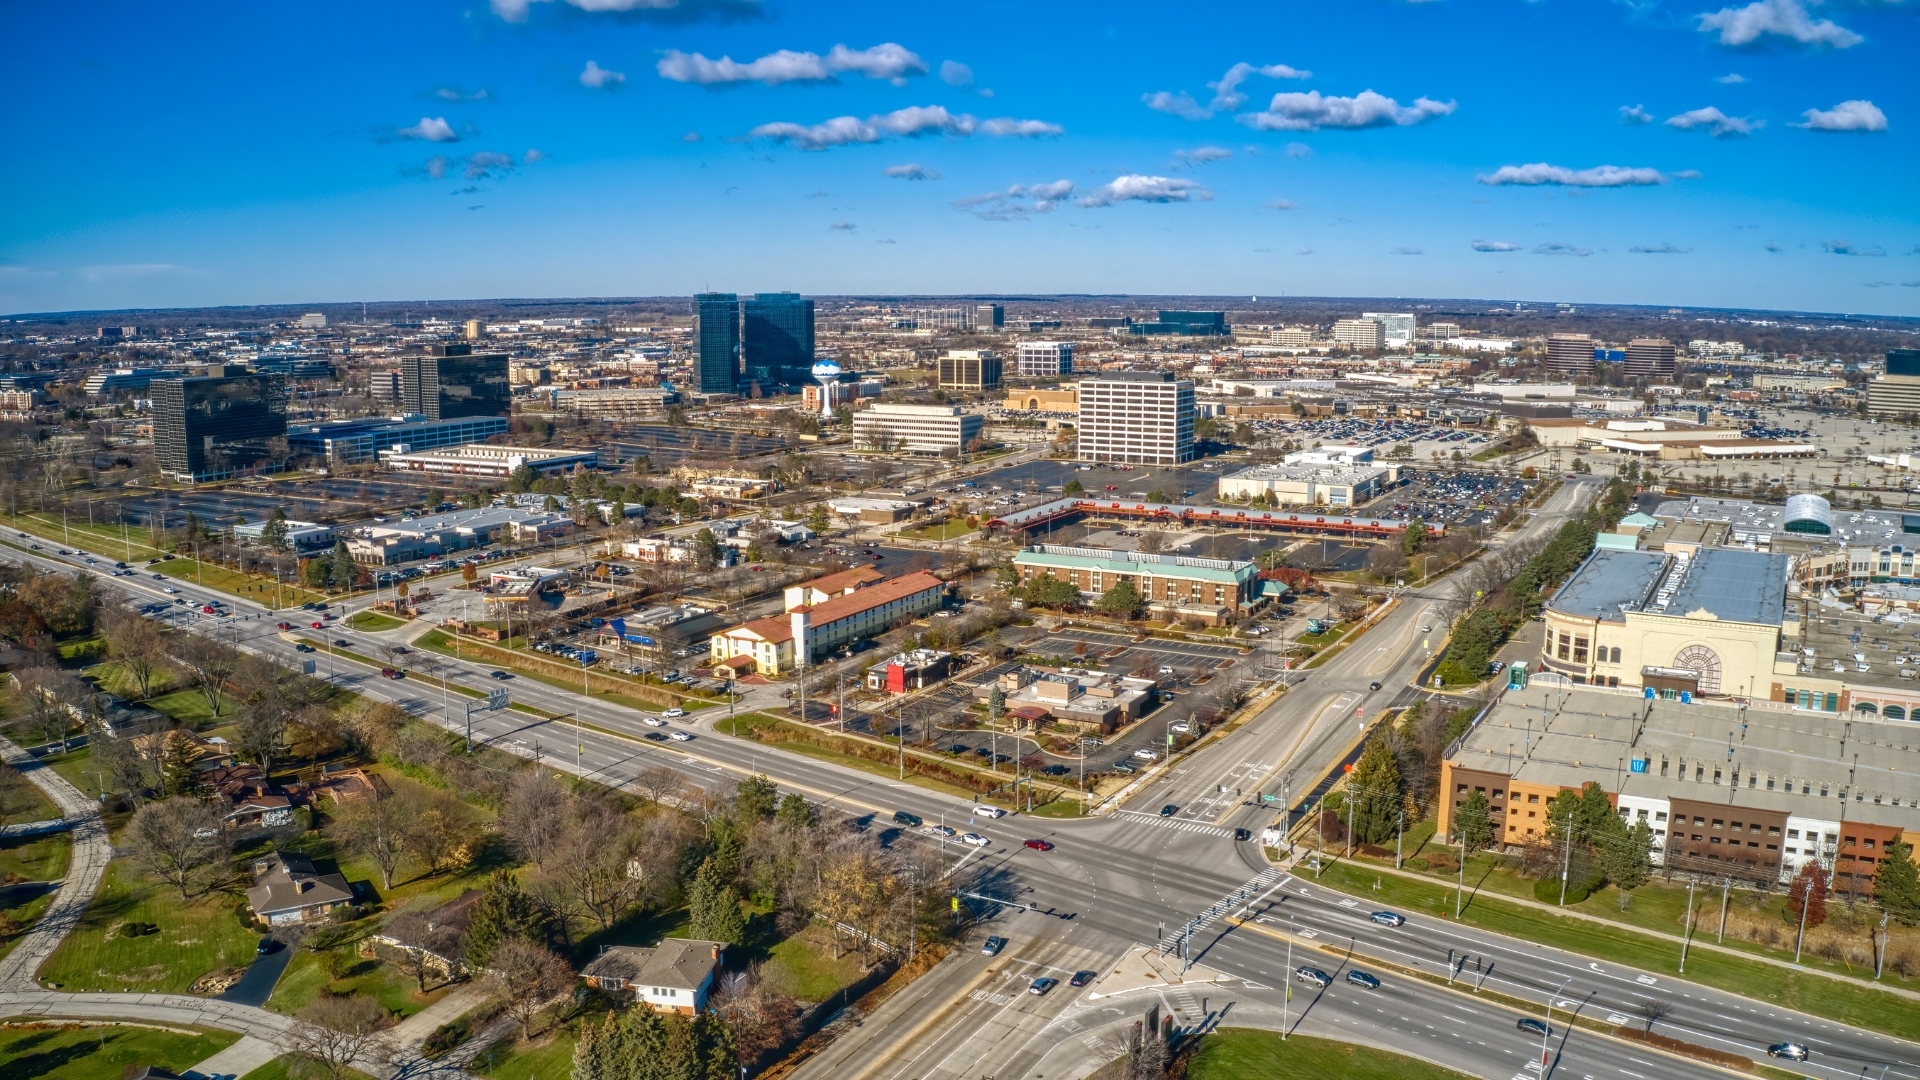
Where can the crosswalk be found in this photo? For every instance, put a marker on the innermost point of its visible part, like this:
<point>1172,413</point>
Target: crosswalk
<point>1174,823</point>
<point>1226,905</point>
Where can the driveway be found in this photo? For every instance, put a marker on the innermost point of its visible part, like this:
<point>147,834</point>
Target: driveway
<point>256,986</point>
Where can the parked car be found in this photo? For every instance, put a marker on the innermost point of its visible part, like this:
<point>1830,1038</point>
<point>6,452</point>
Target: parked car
<point>1145,755</point>
<point>993,945</point>
<point>1123,767</point>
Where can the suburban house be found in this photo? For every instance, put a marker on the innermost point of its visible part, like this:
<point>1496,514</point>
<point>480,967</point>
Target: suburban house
<point>246,799</point>
<point>438,935</point>
<point>288,890</point>
<point>676,975</point>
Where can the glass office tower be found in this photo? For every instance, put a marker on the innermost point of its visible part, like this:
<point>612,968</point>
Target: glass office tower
<point>214,428</point>
<point>716,334</point>
<point>776,339</point>
<point>451,381</point>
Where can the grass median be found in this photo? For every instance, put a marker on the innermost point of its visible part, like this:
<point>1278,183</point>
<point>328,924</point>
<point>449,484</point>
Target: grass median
<point>1806,991</point>
<point>1251,1054</point>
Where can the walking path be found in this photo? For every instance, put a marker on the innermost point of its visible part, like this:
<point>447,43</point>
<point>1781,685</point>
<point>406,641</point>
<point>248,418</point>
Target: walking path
<point>85,867</point>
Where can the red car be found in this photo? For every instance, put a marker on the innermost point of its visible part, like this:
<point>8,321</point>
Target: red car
<point>1039,845</point>
<point>207,608</point>
<point>389,673</point>
<point>319,626</point>
<point>286,626</point>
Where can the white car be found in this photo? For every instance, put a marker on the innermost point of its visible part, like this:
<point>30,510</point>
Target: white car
<point>170,589</point>
<point>975,839</point>
<point>1146,755</point>
<point>681,736</point>
<point>671,713</point>
<point>653,721</point>
<point>989,811</point>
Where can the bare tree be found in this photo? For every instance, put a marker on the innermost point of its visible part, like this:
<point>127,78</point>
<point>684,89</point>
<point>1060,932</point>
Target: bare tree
<point>525,976</point>
<point>178,841</point>
<point>1655,1010</point>
<point>380,830</point>
<point>603,864</point>
<point>207,663</point>
<point>658,783</point>
<point>534,814</point>
<point>441,835</point>
<point>136,645</point>
<point>761,1018</point>
<point>335,1034</point>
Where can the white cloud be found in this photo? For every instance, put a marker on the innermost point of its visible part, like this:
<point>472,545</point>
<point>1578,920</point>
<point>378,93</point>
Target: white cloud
<point>598,77</point>
<point>453,93</point>
<point>1634,114</point>
<point>1540,172</point>
<point>1278,204</point>
<point>692,136</point>
<point>1557,248</point>
<point>1299,150</point>
<point>1494,245</point>
<point>436,167</point>
<point>1203,155</point>
<point>1689,174</point>
<point>486,163</point>
<point>1781,18</point>
<point>911,172</point>
<point>955,73</point>
<point>1731,79</point>
<point>1158,189</point>
<point>914,120</point>
<point>1311,112</point>
<point>888,61</point>
<point>516,10</point>
<point>1407,251</point>
<point>1848,247</point>
<point>1180,104</point>
<point>430,128</point>
<point>1017,201</point>
<point>1854,115</point>
<point>1226,93</point>
<point>1659,249</point>
<point>534,157</point>
<point>1717,123</point>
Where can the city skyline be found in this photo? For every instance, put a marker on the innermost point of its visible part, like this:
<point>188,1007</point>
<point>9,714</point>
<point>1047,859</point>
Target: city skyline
<point>1739,155</point>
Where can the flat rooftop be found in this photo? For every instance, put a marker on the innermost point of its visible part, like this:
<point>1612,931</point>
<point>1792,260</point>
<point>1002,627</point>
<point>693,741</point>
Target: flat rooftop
<point>1592,736</point>
<point>1324,474</point>
<point>1850,527</point>
<point>1871,651</point>
<point>1732,585</point>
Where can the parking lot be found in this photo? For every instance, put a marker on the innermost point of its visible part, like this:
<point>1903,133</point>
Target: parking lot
<point>1382,435</point>
<point>1452,498</point>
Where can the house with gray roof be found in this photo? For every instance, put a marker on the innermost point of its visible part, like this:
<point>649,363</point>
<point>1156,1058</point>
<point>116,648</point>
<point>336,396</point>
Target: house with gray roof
<point>676,975</point>
<point>288,890</point>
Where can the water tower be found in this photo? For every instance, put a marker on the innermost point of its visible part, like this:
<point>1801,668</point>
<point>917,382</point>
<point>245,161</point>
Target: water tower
<point>826,373</point>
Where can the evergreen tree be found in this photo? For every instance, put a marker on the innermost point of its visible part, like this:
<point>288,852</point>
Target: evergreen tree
<point>1122,599</point>
<point>551,506</point>
<point>1474,823</point>
<point>341,567</point>
<point>177,774</point>
<point>273,535</point>
<point>713,906</point>
<point>796,813</point>
<point>1415,537</point>
<point>1896,884</point>
<point>319,571</point>
<point>505,911</point>
<point>522,479</point>
<point>193,526</point>
<point>817,518</point>
<point>754,800</point>
<point>1374,788</point>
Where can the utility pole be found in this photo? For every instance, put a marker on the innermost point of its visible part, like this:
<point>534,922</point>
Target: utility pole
<point>1800,936</point>
<point>1726,883</point>
<point>1566,859</point>
<point>1460,890</point>
<point>1399,830</point>
<point>1686,937</point>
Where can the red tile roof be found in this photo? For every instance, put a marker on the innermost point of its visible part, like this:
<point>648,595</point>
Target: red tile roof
<point>873,596</point>
<point>773,628</point>
<point>835,584</point>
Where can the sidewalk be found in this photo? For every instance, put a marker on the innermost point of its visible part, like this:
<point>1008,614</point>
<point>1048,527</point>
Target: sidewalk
<point>85,867</point>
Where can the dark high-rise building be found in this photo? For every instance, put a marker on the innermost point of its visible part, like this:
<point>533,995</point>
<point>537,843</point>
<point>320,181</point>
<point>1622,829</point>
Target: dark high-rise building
<point>989,318</point>
<point>1903,361</point>
<point>1650,358</point>
<point>776,339</point>
<point>716,339</point>
<point>1570,354</point>
<point>1897,393</point>
<point>213,428</point>
<point>452,381</point>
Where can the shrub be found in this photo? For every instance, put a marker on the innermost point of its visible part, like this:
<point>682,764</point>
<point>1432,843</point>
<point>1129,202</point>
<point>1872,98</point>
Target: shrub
<point>138,929</point>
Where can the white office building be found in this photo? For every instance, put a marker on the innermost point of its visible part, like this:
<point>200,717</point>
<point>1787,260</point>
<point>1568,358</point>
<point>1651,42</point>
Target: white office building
<point>482,459</point>
<point>1359,333</point>
<point>1144,417</point>
<point>1046,359</point>
<point>1398,327</point>
<point>915,429</point>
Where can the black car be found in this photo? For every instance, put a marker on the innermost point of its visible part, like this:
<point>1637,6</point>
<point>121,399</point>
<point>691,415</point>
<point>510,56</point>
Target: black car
<point>1535,1027</point>
<point>1789,1050</point>
<point>1082,978</point>
<point>267,945</point>
<point>1169,810</point>
<point>655,736</point>
<point>1373,686</point>
<point>500,675</point>
<point>1243,834</point>
<point>901,817</point>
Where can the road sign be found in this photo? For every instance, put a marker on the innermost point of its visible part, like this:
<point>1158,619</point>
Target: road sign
<point>498,698</point>
<point>307,667</point>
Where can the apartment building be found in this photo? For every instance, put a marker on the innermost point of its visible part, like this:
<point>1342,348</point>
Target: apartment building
<point>917,429</point>
<point>1141,417</point>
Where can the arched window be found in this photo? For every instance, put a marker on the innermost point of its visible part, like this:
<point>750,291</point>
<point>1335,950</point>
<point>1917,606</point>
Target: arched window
<point>1866,707</point>
<point>1703,662</point>
<point>1616,655</point>
<point>1894,712</point>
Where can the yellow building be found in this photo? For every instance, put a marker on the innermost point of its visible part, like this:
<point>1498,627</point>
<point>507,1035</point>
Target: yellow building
<point>1063,400</point>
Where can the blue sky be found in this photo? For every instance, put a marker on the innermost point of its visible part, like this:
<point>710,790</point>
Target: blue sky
<point>1761,154</point>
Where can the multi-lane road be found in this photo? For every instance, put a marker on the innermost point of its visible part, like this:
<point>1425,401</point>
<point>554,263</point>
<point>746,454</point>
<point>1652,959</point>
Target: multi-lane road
<point>1133,877</point>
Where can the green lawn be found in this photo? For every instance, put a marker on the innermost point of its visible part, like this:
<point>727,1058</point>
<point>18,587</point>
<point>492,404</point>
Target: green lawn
<point>374,621</point>
<point>808,971</point>
<point>189,706</point>
<point>1844,1002</point>
<point>21,800</point>
<point>257,589</point>
<point>101,1052</point>
<point>944,531</point>
<point>195,937</point>
<point>280,1069</point>
<point>306,976</point>
<point>1249,1054</point>
<point>38,858</point>
<point>548,1057</point>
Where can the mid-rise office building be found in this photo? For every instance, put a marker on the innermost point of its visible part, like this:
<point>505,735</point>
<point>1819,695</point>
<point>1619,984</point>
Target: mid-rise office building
<point>1292,337</point>
<point>916,429</point>
<point>451,381</point>
<point>353,442</point>
<point>102,383</point>
<point>212,428</point>
<point>1045,359</point>
<point>716,342</point>
<point>383,385</point>
<point>1184,324</point>
<point>1649,358</point>
<point>970,369</point>
<point>624,401</point>
<point>494,461</point>
<point>1214,590</point>
<point>1442,331</point>
<point>1897,393</point>
<point>1397,327</point>
<point>1570,354</point>
<point>1145,417</point>
<point>988,318</point>
<point>776,339</point>
<point>1359,333</point>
